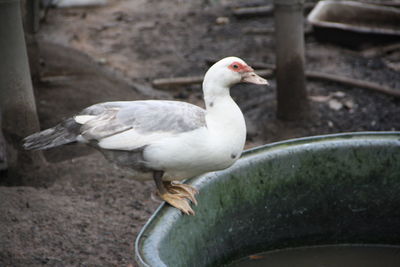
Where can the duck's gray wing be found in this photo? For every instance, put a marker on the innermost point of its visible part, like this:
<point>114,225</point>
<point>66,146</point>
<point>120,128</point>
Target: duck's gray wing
<point>126,125</point>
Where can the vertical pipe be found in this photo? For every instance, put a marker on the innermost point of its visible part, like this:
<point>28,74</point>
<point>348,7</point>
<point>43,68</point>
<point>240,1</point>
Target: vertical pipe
<point>17,103</point>
<point>31,21</point>
<point>291,93</point>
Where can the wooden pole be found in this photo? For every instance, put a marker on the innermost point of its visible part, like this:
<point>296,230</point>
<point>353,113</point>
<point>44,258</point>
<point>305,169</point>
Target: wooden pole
<point>291,88</point>
<point>176,82</point>
<point>17,102</point>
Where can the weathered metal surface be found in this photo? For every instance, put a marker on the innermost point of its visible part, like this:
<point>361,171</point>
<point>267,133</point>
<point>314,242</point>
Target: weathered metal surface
<point>331,189</point>
<point>353,23</point>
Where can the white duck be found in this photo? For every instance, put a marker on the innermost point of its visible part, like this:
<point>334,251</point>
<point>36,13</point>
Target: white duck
<point>164,140</point>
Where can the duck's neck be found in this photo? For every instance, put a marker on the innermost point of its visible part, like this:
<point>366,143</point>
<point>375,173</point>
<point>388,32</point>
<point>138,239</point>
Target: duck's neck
<point>223,114</point>
<point>214,100</point>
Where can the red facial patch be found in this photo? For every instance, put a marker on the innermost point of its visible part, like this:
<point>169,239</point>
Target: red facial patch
<point>239,67</point>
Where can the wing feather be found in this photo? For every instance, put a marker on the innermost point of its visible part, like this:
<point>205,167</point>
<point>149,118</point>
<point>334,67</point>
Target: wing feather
<point>128,125</point>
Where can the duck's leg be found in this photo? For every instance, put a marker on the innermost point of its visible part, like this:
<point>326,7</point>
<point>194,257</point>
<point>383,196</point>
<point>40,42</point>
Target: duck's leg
<point>175,198</point>
<point>184,189</point>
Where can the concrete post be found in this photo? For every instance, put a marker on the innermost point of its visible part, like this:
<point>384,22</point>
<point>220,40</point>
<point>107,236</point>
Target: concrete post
<point>17,103</point>
<point>292,94</point>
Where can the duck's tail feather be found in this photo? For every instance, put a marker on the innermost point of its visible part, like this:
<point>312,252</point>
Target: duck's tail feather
<point>64,133</point>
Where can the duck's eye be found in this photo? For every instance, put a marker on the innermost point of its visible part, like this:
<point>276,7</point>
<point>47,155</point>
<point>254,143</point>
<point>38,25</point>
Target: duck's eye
<point>235,66</point>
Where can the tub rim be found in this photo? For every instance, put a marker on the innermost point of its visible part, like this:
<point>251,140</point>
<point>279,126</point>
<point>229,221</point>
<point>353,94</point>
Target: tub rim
<point>173,214</point>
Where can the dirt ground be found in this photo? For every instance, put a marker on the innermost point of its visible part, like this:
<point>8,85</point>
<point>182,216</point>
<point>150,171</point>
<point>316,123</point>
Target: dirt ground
<point>85,212</point>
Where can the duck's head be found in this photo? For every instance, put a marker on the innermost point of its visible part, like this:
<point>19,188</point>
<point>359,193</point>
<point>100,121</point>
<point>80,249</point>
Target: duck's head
<point>230,71</point>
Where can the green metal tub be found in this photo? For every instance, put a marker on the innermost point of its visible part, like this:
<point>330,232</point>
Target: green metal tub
<point>332,189</point>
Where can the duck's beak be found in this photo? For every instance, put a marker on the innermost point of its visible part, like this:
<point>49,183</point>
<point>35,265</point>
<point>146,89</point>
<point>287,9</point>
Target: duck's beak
<point>251,77</point>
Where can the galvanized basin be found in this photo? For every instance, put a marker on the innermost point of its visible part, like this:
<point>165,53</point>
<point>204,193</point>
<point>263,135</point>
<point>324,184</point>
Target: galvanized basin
<point>353,23</point>
<point>330,189</point>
